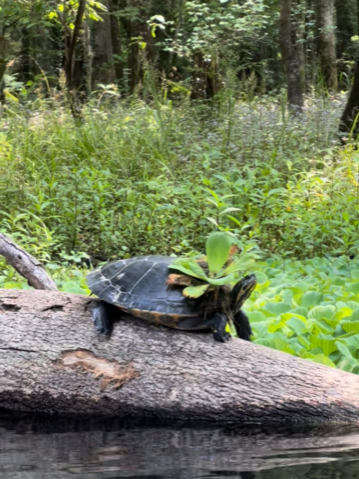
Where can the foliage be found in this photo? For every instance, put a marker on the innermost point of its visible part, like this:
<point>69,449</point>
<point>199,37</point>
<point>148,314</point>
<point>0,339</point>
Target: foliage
<point>218,268</point>
<point>133,179</point>
<point>309,309</point>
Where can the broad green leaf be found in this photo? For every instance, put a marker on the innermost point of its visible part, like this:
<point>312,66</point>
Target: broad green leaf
<point>321,359</point>
<point>326,343</point>
<point>276,326</point>
<point>299,287</point>
<point>231,278</point>
<point>277,308</point>
<point>13,285</point>
<point>217,250</point>
<point>310,298</point>
<point>352,342</point>
<point>321,326</point>
<point>342,313</point>
<point>355,315</point>
<point>344,350</point>
<point>189,267</point>
<point>354,305</point>
<point>353,287</point>
<point>261,277</point>
<point>297,325</point>
<point>304,341</point>
<point>241,263</point>
<point>195,291</point>
<point>296,346</point>
<point>300,311</point>
<point>275,343</point>
<point>350,326</point>
<point>260,329</point>
<point>256,316</point>
<point>348,365</point>
<point>319,312</point>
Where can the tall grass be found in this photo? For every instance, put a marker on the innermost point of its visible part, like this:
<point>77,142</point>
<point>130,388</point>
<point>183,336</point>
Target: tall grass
<point>138,177</point>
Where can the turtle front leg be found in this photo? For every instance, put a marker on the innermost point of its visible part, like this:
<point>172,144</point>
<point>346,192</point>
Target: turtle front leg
<point>101,316</point>
<point>242,325</point>
<point>217,322</point>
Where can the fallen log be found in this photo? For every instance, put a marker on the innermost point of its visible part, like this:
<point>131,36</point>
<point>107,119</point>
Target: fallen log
<point>51,361</point>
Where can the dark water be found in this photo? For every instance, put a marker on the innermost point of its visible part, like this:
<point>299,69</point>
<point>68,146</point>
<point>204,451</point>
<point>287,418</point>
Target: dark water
<point>40,448</point>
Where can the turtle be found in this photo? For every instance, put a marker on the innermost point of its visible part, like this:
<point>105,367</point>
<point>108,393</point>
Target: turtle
<point>138,286</point>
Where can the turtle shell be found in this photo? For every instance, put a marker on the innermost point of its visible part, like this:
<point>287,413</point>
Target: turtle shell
<point>138,286</point>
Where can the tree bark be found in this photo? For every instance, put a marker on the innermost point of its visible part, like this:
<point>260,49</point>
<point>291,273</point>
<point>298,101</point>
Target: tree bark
<point>103,66</point>
<point>52,362</point>
<point>348,118</point>
<point>26,265</point>
<point>347,27</point>
<point>289,55</point>
<point>116,40</point>
<point>326,43</point>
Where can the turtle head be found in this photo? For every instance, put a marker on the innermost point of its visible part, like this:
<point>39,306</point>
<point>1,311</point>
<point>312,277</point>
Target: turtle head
<point>241,291</point>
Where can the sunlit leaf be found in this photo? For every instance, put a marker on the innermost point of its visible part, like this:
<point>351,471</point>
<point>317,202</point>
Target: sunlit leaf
<point>310,298</point>
<point>195,291</point>
<point>217,250</point>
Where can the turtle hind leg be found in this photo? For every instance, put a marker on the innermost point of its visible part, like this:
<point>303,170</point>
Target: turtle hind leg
<point>217,322</point>
<point>242,325</point>
<point>102,318</point>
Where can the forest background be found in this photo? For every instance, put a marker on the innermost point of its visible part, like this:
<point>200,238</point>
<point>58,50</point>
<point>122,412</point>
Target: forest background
<point>137,127</point>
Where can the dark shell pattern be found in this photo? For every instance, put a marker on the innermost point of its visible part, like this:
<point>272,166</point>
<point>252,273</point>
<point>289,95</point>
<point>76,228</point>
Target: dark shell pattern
<point>138,286</point>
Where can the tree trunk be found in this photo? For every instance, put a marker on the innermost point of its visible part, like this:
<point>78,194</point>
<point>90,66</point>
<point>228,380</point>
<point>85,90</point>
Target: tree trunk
<point>347,26</point>
<point>299,29</point>
<point>326,43</point>
<point>103,67</point>
<point>52,362</point>
<point>352,107</point>
<point>289,55</point>
<point>116,40</point>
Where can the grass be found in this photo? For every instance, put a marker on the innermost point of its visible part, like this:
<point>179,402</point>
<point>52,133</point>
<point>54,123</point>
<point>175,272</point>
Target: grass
<point>135,179</point>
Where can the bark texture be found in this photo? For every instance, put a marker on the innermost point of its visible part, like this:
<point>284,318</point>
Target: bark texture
<point>26,265</point>
<point>290,59</point>
<point>103,67</point>
<point>326,42</point>
<point>348,119</point>
<point>52,362</point>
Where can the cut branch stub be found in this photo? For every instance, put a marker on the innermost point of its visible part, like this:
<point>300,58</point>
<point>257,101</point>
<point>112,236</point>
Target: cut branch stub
<point>26,265</point>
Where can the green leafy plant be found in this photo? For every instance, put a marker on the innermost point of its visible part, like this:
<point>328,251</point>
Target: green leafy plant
<point>218,268</point>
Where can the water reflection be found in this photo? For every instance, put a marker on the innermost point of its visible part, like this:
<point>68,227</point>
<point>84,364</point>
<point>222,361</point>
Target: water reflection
<point>41,448</point>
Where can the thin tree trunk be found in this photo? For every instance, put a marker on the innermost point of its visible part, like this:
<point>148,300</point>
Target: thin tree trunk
<point>326,43</point>
<point>52,362</point>
<point>103,67</point>
<point>290,59</point>
<point>347,26</point>
<point>352,107</point>
<point>299,28</point>
<point>116,40</point>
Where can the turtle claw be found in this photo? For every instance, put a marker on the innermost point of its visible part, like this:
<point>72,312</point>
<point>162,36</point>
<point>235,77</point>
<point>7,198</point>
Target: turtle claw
<point>222,338</point>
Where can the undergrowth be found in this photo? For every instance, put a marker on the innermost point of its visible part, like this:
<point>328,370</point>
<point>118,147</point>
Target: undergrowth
<point>133,178</point>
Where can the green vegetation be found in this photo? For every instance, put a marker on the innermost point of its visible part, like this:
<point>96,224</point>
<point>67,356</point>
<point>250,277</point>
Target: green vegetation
<point>220,267</point>
<point>142,178</point>
<point>309,309</point>
<point>135,179</point>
